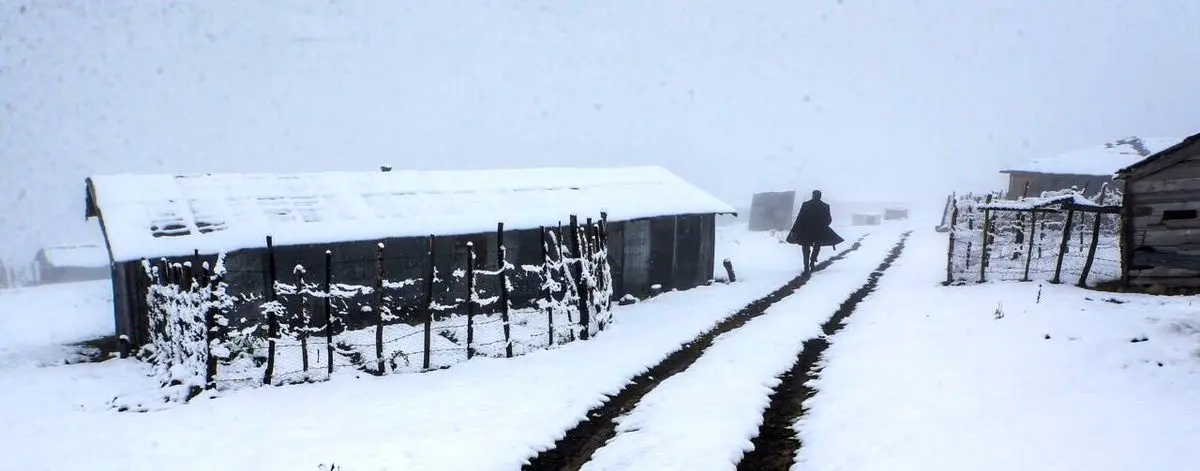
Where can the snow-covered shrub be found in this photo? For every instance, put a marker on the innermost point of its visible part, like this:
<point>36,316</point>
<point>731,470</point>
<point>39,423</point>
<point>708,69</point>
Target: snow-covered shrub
<point>185,309</point>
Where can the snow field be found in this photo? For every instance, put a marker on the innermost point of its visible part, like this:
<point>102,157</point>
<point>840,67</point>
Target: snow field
<point>485,414</point>
<point>36,322</point>
<point>704,417</point>
<point>926,377</point>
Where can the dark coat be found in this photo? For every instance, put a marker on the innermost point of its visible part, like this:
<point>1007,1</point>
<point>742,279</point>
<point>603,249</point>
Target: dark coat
<point>812,226</point>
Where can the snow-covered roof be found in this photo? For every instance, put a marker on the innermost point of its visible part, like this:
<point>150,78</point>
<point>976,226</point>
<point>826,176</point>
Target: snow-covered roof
<point>1036,203</point>
<point>164,215</point>
<point>1102,160</point>
<point>77,256</point>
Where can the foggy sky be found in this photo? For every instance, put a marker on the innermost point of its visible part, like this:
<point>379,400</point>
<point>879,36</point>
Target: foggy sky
<point>867,100</point>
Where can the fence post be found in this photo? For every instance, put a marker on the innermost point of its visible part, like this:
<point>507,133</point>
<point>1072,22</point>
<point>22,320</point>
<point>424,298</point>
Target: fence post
<point>1041,237</point>
<point>547,294</point>
<point>272,319</point>
<point>430,275</point>
<point>566,268</point>
<point>1062,247</point>
<point>328,311</point>
<point>470,300</point>
<point>950,248</point>
<point>210,328</point>
<point>577,270</point>
<point>379,309</point>
<point>1082,221</point>
<point>303,331</point>
<point>984,256</point>
<point>1029,252</point>
<point>971,229</point>
<point>502,269</point>
<point>602,234</point>
<point>1091,255</point>
<point>589,238</point>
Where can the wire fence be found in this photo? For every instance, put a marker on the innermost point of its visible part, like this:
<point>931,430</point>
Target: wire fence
<point>308,328</point>
<point>1058,238</point>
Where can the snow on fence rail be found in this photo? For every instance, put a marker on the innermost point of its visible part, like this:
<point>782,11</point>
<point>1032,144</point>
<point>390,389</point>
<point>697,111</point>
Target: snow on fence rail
<point>196,344</point>
<point>1060,236</point>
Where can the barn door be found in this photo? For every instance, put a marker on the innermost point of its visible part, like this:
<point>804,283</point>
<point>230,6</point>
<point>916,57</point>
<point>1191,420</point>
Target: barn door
<point>688,256</point>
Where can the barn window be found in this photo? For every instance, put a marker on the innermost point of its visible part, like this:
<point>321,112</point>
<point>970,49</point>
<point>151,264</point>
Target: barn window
<point>1177,214</point>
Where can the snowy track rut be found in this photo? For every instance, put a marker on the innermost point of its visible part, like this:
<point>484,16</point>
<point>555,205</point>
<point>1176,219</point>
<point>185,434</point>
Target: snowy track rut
<point>575,449</point>
<point>776,444</point>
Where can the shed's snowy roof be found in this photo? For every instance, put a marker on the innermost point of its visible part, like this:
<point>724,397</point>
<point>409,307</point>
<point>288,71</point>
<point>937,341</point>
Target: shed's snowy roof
<point>77,256</point>
<point>1102,160</point>
<point>163,215</point>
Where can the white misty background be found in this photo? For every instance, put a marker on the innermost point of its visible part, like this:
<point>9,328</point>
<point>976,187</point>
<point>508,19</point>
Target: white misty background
<point>880,100</point>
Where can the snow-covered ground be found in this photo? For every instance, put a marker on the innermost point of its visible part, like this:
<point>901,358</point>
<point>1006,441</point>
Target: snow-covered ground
<point>36,322</point>
<point>926,377</point>
<point>480,415</point>
<point>704,417</point>
<point>922,377</point>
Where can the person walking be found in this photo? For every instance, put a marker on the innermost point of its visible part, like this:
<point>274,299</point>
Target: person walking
<point>811,230</point>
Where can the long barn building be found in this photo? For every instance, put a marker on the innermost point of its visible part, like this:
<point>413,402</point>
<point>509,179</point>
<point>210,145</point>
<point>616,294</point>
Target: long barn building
<point>661,228</point>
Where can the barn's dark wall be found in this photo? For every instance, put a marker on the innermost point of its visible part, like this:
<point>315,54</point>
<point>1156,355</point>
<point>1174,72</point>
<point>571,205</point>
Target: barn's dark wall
<point>673,251</point>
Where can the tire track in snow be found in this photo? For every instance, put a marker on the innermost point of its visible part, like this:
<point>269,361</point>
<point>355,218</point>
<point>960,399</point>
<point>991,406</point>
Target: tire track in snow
<point>776,444</point>
<point>581,441</point>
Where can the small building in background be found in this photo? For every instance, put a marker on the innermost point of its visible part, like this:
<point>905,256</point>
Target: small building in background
<point>772,211</point>
<point>67,264</point>
<point>895,214</point>
<point>866,219</point>
<point>661,229</point>
<point>1088,169</point>
<point>1160,231</point>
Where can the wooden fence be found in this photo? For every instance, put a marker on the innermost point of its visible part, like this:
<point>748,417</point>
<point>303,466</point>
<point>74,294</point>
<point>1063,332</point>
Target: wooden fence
<point>1057,238</point>
<point>196,345</point>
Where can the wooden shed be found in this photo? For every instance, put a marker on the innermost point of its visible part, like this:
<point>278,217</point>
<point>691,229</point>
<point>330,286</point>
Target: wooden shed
<point>1088,169</point>
<point>1160,231</point>
<point>661,229</point>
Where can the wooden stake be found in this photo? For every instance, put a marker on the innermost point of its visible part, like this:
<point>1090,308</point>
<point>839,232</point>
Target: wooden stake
<point>1029,252</point>
<point>502,268</point>
<point>430,274</point>
<point>378,308</point>
<point>581,290</point>
<point>1091,255</point>
<point>1062,247</point>
<point>950,248</point>
<point>971,229</point>
<point>272,320</point>
<point>547,294</point>
<point>304,321</point>
<point>328,305</point>
<point>211,334</point>
<point>985,256</point>
<point>470,300</point>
